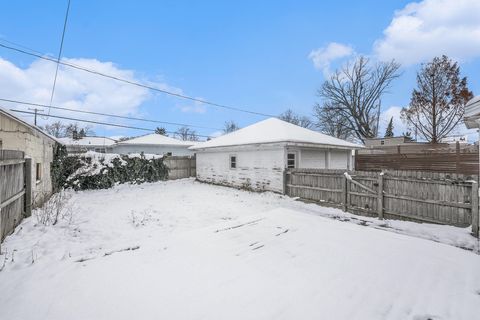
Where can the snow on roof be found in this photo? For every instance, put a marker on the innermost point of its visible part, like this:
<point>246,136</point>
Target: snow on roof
<point>156,139</point>
<point>472,106</point>
<point>472,113</point>
<point>88,141</point>
<point>14,117</point>
<point>274,130</point>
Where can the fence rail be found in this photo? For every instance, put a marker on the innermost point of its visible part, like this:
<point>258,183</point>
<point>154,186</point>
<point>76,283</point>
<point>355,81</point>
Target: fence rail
<point>411,195</point>
<point>15,190</point>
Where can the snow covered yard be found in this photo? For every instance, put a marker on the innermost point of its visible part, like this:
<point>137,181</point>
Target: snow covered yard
<point>186,250</point>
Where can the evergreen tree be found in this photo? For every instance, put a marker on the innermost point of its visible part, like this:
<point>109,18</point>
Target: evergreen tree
<point>161,130</point>
<point>389,131</point>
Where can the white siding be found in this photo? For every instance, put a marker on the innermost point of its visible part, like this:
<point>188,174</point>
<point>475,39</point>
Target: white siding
<point>152,149</point>
<point>339,159</point>
<point>310,158</point>
<point>257,169</point>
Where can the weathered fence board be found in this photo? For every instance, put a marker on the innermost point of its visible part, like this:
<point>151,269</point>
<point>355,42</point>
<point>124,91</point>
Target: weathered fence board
<point>412,195</point>
<point>180,167</point>
<point>12,190</point>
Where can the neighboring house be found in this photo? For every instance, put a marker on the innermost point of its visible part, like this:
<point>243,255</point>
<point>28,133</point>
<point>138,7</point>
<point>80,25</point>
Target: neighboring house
<point>154,144</point>
<point>16,134</point>
<point>256,156</point>
<point>82,145</point>
<point>472,113</point>
<point>462,139</point>
<point>387,141</point>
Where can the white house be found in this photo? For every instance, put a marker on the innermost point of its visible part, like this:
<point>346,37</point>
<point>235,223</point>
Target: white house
<point>256,156</point>
<point>472,113</point>
<point>82,145</point>
<point>154,144</point>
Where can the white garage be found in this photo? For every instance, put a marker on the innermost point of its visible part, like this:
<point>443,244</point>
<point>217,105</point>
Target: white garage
<point>256,156</point>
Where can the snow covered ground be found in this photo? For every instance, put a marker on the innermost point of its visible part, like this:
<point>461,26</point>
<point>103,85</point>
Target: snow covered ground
<point>186,250</point>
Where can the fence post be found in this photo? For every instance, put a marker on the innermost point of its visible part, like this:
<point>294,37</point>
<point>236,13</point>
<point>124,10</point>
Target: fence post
<point>28,187</point>
<point>380,196</point>
<point>475,211</point>
<point>345,193</point>
<point>285,182</point>
<point>457,157</point>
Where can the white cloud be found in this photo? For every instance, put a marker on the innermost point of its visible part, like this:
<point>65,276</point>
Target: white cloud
<point>75,89</point>
<point>216,134</point>
<point>430,28</point>
<point>196,107</point>
<point>323,57</point>
<point>399,126</point>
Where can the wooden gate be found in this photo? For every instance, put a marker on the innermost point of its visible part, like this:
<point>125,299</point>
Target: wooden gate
<point>15,190</point>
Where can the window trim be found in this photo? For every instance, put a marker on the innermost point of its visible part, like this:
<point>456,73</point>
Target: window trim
<point>230,161</point>
<point>294,160</point>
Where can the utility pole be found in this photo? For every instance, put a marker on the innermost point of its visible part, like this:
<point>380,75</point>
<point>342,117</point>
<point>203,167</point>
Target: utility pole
<point>36,111</point>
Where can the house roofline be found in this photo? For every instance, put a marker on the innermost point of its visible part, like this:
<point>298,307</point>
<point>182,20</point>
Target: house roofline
<point>11,116</point>
<point>283,143</point>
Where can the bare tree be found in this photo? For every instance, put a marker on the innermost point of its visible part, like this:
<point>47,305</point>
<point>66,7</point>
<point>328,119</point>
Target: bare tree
<point>59,129</point>
<point>296,119</point>
<point>76,131</point>
<point>230,126</point>
<point>186,134</point>
<point>56,129</point>
<point>332,123</point>
<point>354,92</point>
<point>437,105</point>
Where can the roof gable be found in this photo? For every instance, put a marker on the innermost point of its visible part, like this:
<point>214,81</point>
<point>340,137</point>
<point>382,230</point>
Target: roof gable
<point>89,141</point>
<point>156,139</point>
<point>274,130</point>
<point>28,125</point>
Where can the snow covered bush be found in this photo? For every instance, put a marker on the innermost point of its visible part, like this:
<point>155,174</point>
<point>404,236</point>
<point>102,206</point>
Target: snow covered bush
<point>103,171</point>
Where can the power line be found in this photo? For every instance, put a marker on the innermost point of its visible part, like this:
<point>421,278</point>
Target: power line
<point>178,95</point>
<point>59,55</point>
<point>106,114</point>
<point>101,123</point>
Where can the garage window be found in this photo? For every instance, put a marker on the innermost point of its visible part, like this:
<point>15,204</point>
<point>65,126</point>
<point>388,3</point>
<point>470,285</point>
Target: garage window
<point>38,171</point>
<point>291,160</point>
<point>233,162</point>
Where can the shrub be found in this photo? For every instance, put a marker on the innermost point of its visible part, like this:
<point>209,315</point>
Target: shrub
<point>103,171</point>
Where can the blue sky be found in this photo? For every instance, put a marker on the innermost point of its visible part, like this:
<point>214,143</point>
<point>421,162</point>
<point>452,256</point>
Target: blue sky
<point>249,54</point>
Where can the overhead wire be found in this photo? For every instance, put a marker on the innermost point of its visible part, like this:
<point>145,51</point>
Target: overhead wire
<point>106,114</point>
<point>134,83</point>
<point>59,55</point>
<point>100,122</point>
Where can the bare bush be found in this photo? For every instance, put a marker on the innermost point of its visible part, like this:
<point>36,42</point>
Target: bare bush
<point>140,218</point>
<point>58,207</point>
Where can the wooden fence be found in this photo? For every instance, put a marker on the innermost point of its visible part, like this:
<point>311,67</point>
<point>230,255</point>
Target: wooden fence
<point>180,167</point>
<point>410,195</point>
<point>460,159</point>
<point>15,190</point>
